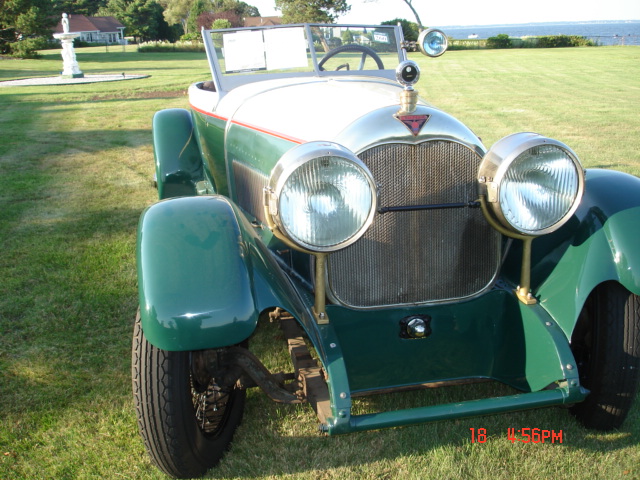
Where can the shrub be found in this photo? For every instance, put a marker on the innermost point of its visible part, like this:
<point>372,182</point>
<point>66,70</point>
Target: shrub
<point>190,37</point>
<point>499,41</point>
<point>558,41</point>
<point>156,47</point>
<point>504,41</point>
<point>221,23</point>
<point>26,48</point>
<point>466,44</point>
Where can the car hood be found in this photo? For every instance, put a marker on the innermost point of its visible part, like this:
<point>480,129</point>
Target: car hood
<point>315,109</point>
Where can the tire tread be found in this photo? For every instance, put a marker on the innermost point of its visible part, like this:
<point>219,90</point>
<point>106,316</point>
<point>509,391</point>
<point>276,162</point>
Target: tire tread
<point>614,370</point>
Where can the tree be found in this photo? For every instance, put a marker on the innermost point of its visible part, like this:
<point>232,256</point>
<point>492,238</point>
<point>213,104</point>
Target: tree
<point>232,10</point>
<point>142,18</point>
<point>314,11</point>
<point>347,37</point>
<point>78,7</point>
<point>197,8</point>
<point>191,14</point>
<point>208,19</point>
<point>241,9</point>
<point>177,11</point>
<point>26,17</point>
<point>20,19</point>
<point>410,30</point>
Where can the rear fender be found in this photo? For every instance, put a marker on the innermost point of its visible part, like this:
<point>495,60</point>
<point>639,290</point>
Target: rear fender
<point>194,275</point>
<point>178,161</point>
<point>599,244</point>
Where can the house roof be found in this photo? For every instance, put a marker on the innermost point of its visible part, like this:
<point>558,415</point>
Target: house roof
<point>262,21</point>
<point>82,23</point>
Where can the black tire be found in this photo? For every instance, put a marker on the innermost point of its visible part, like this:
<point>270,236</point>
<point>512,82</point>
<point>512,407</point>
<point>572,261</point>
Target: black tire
<point>165,390</point>
<point>606,345</point>
<point>352,48</point>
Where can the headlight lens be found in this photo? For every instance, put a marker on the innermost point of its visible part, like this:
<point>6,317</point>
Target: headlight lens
<point>322,196</point>
<point>433,42</point>
<point>534,184</point>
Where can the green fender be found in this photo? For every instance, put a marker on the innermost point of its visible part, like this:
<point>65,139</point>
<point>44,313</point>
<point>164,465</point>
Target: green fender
<point>178,161</point>
<point>194,275</point>
<point>600,243</point>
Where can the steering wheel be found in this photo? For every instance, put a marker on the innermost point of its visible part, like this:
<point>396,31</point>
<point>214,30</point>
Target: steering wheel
<point>352,48</point>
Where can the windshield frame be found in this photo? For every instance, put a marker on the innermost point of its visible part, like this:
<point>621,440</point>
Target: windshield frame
<point>225,82</point>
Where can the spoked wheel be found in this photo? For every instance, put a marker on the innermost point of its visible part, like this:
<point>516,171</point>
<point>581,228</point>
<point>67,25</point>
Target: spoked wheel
<point>606,346</point>
<point>186,417</point>
<point>366,51</point>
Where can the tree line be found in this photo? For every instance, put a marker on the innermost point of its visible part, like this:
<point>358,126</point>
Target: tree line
<point>24,24</point>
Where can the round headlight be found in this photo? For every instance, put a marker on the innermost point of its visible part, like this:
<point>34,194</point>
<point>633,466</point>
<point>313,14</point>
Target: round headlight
<point>433,42</point>
<point>534,184</point>
<point>322,197</point>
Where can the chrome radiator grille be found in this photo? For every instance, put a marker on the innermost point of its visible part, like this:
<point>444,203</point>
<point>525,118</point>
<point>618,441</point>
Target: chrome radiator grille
<point>425,255</point>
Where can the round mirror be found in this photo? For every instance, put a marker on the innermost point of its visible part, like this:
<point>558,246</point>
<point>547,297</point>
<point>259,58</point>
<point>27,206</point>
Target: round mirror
<point>433,42</point>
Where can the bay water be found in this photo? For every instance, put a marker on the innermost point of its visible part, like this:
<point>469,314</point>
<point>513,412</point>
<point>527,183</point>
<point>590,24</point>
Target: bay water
<point>603,33</point>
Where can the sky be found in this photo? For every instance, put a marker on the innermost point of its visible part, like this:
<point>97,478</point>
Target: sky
<point>476,12</point>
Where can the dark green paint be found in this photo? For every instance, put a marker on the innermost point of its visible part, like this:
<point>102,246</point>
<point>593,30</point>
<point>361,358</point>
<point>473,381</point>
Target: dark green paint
<point>487,406</point>
<point>515,344</point>
<point>488,337</point>
<point>600,243</point>
<point>257,149</point>
<point>178,162</point>
<point>204,275</point>
<point>194,284</point>
<point>210,137</point>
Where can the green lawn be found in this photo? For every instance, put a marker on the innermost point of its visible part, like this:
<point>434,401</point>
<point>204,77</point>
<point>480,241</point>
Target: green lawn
<point>76,167</point>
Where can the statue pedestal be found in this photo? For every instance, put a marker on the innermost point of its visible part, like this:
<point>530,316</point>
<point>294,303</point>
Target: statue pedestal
<point>69,62</point>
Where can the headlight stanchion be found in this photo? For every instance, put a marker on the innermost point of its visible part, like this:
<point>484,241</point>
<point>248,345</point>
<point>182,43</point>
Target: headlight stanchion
<point>523,291</point>
<point>319,310</point>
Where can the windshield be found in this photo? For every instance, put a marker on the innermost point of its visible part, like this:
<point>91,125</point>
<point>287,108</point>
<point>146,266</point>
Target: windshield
<point>240,56</point>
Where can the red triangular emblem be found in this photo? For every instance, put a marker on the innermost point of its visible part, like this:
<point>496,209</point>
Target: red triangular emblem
<point>413,122</point>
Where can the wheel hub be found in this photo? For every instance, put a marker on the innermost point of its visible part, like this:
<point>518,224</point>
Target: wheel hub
<point>210,406</point>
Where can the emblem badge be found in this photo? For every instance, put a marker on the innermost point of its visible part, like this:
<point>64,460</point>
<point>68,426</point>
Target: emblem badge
<point>413,122</point>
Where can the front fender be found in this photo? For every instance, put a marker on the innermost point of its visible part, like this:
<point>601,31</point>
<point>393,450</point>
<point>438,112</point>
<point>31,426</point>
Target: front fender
<point>194,279</point>
<point>175,149</point>
<point>599,244</point>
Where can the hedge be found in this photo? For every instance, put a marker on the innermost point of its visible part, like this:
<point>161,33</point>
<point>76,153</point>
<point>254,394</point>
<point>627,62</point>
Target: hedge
<point>504,41</point>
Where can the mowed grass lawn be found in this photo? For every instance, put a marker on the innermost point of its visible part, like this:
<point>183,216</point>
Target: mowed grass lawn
<point>76,167</point>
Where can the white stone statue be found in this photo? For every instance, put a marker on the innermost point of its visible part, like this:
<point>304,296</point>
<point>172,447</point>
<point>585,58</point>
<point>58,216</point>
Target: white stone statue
<point>65,23</point>
<point>69,62</point>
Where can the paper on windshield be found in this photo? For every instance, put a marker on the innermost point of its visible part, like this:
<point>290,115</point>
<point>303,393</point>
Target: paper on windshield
<point>244,51</point>
<point>285,48</point>
<point>274,49</point>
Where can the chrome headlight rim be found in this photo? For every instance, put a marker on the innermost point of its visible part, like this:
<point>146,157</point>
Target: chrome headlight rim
<point>500,159</point>
<point>427,36</point>
<point>299,157</point>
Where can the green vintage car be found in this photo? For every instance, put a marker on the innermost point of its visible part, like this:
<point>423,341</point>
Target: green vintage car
<point>310,184</point>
